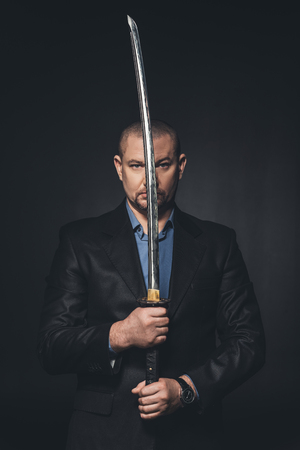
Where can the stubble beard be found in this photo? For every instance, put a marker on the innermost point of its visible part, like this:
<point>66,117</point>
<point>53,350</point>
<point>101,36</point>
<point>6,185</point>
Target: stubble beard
<point>142,204</point>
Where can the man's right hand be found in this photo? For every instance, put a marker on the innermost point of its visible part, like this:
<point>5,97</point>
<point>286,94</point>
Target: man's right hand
<point>143,328</point>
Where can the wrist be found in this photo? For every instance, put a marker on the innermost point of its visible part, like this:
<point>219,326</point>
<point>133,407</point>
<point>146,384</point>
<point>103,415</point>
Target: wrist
<point>190,383</point>
<point>187,392</point>
<point>118,337</point>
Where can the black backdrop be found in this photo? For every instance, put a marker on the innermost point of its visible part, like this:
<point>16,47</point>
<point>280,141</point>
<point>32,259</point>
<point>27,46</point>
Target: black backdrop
<point>224,74</point>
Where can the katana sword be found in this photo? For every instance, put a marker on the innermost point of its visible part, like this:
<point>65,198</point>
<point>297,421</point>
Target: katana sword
<point>152,209</point>
<point>153,297</point>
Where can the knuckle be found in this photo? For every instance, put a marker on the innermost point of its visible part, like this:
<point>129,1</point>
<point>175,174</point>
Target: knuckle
<point>141,393</point>
<point>164,386</point>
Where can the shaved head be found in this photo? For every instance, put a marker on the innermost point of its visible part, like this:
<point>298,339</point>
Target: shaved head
<point>159,129</point>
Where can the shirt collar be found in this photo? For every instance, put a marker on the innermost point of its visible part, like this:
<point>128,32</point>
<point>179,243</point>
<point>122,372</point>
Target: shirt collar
<point>137,227</point>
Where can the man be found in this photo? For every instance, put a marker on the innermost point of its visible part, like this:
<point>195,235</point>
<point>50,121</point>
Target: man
<point>92,324</point>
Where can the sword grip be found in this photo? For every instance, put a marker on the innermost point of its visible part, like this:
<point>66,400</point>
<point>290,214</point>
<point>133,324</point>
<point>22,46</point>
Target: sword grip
<point>152,357</point>
<point>152,354</point>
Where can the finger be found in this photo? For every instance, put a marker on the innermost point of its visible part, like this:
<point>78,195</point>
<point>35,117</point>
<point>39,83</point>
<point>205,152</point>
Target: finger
<point>149,409</point>
<point>158,311</point>
<point>150,389</point>
<point>161,321</point>
<point>149,400</point>
<point>150,416</point>
<point>161,331</point>
<point>159,340</point>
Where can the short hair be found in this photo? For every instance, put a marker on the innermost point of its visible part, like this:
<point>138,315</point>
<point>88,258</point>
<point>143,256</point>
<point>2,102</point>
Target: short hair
<point>159,129</point>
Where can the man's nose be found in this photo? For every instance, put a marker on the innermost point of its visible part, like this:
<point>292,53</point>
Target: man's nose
<point>156,177</point>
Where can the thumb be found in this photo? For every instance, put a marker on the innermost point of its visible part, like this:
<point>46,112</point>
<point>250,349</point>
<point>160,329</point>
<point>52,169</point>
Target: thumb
<point>140,386</point>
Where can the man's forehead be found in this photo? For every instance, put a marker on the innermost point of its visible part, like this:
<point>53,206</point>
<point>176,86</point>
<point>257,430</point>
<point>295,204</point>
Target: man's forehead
<point>163,146</point>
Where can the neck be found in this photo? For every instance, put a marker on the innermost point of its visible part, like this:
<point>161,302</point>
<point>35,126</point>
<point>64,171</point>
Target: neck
<point>163,216</point>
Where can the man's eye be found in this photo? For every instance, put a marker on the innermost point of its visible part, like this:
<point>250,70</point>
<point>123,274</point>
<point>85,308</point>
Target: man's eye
<point>164,165</point>
<point>136,166</point>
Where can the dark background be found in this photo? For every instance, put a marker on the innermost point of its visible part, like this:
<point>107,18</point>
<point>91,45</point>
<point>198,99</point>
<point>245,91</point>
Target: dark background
<point>225,74</point>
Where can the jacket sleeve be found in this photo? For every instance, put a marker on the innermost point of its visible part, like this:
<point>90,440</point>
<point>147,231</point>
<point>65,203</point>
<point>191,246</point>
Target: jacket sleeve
<point>241,352</point>
<point>66,344</point>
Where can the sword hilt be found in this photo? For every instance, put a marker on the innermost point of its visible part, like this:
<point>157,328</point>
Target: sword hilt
<point>152,354</point>
<point>152,365</point>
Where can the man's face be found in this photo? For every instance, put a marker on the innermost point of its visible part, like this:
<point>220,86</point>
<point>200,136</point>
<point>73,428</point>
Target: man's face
<point>131,171</point>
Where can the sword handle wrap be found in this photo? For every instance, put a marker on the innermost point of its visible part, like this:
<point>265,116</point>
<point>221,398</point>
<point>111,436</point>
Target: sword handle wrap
<point>152,354</point>
<point>152,363</point>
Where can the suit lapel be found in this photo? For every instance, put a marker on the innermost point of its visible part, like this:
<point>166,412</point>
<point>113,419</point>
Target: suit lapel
<point>122,251</point>
<point>187,255</point>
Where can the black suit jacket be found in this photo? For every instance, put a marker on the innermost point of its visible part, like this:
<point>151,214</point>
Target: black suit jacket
<point>96,279</point>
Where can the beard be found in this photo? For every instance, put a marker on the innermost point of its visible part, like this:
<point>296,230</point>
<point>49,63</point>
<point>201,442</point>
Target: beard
<point>141,203</point>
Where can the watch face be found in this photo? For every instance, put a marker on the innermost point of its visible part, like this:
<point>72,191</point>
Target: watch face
<point>188,395</point>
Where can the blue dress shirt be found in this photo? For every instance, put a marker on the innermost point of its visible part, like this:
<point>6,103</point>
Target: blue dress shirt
<point>166,238</point>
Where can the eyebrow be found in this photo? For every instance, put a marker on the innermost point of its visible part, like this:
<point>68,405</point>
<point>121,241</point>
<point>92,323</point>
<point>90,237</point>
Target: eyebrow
<point>135,161</point>
<point>167,158</point>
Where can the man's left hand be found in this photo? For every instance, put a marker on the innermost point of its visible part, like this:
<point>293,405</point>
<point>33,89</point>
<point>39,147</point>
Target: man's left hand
<point>158,399</point>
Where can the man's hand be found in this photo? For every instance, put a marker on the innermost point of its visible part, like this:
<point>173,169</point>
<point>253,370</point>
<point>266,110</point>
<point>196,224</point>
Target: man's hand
<point>143,328</point>
<point>158,399</point>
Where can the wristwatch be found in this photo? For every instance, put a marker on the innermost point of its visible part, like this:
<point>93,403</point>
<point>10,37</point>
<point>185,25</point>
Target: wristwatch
<point>187,396</point>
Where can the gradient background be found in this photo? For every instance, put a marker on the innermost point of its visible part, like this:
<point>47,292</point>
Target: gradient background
<point>225,75</point>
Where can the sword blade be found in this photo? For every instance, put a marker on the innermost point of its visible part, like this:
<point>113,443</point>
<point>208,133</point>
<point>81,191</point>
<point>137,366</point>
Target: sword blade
<point>152,208</point>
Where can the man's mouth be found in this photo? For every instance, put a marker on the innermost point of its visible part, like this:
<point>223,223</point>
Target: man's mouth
<point>144,194</point>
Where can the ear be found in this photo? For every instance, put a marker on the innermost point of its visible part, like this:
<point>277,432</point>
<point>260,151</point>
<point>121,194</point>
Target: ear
<point>118,166</point>
<point>181,165</point>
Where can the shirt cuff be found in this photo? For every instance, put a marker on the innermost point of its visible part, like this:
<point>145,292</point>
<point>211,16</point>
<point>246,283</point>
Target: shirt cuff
<point>112,355</point>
